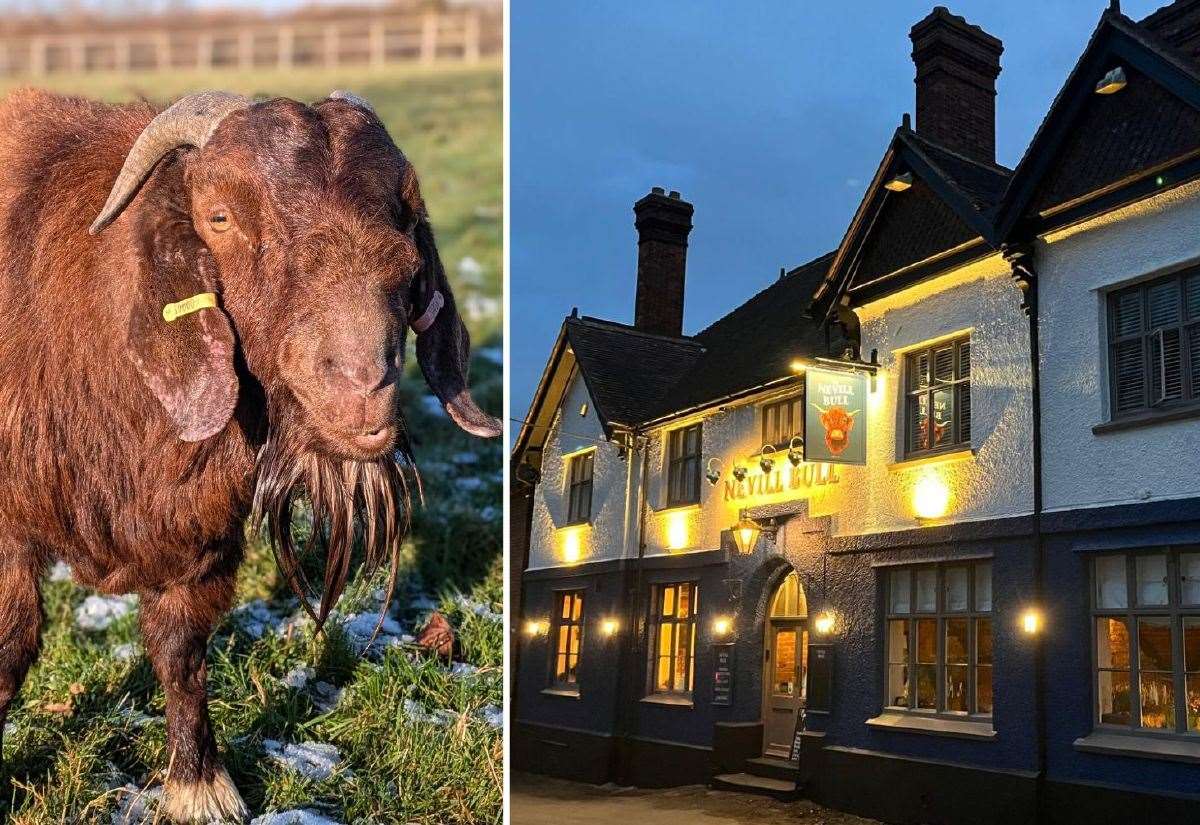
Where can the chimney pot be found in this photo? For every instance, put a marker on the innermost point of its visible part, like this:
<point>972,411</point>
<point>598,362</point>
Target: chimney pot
<point>957,66</point>
<point>663,224</point>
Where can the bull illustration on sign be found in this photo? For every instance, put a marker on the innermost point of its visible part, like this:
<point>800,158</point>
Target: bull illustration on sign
<point>837,424</point>
<point>834,402</point>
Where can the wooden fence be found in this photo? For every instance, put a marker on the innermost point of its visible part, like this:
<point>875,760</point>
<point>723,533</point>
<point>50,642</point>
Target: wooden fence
<point>370,36</point>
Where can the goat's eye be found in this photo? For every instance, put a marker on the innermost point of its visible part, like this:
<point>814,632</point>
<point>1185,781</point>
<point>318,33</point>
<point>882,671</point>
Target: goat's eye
<point>219,220</point>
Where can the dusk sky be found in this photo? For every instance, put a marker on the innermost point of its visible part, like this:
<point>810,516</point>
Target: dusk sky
<point>770,118</point>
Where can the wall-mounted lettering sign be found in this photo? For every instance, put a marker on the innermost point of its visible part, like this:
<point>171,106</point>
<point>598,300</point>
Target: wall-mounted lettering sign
<point>835,417</point>
<point>780,480</point>
<point>723,674</point>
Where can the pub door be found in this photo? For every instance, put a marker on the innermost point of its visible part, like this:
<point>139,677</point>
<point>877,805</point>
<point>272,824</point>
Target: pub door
<point>785,667</point>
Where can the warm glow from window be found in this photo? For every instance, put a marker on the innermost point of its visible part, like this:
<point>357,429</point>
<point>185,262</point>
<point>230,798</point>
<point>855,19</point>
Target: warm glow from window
<point>931,497</point>
<point>722,625</point>
<point>1031,621</point>
<point>824,623</point>
<point>677,531</point>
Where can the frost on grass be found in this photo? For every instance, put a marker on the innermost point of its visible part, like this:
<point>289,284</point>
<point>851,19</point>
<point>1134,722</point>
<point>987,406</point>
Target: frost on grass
<point>314,760</point>
<point>360,628</point>
<point>298,677</point>
<point>416,712</point>
<point>481,609</point>
<point>135,806</point>
<point>325,697</point>
<point>303,816</point>
<point>493,715</point>
<point>98,612</point>
<point>60,572</point>
<point>125,652</point>
<point>463,670</point>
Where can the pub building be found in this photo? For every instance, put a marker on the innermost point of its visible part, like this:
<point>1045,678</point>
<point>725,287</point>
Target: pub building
<point>915,531</point>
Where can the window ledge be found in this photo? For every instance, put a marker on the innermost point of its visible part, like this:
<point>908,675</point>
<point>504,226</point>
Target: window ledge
<point>1144,746</point>
<point>564,693</point>
<point>676,508</point>
<point>935,725</point>
<point>935,458</point>
<point>668,701</point>
<point>1148,419</point>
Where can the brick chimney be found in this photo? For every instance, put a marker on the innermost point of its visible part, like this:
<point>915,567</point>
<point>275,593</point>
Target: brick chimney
<point>1179,24</point>
<point>957,65</point>
<point>663,222</point>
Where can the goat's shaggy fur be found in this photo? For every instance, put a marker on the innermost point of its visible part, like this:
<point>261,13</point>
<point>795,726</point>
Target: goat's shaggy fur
<point>329,254</point>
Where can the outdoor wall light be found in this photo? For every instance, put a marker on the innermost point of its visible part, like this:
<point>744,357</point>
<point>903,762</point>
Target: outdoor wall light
<point>795,455</point>
<point>1031,621</point>
<point>931,498</point>
<point>572,545</point>
<point>823,624</point>
<point>745,536</point>
<point>533,627</point>
<point>677,531</point>
<point>610,627</point>
<point>797,365</point>
<point>1112,82</point>
<point>739,472</point>
<point>899,183</point>
<point>722,625</point>
<point>764,459</point>
<point>713,474</point>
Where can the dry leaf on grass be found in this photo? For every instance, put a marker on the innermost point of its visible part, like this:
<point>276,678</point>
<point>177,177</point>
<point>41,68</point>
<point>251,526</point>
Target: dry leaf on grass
<point>438,636</point>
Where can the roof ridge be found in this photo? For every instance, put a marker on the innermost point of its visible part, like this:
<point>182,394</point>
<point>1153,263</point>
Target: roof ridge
<point>618,326</point>
<point>992,166</point>
<point>788,274</point>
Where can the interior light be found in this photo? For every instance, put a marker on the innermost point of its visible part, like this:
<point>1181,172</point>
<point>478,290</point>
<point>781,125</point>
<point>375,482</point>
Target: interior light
<point>899,183</point>
<point>931,497</point>
<point>823,624</point>
<point>1112,82</point>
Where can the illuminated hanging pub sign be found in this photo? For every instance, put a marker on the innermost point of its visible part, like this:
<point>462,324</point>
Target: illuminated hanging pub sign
<point>835,417</point>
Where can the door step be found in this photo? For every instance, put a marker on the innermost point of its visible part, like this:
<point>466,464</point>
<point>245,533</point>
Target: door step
<point>761,785</point>
<point>771,767</point>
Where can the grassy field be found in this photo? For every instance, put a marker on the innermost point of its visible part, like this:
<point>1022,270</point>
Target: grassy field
<point>318,724</point>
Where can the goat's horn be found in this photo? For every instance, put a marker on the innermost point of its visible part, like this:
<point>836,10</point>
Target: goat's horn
<point>190,121</point>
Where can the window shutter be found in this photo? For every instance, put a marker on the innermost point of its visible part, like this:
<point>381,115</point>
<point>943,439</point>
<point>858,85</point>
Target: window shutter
<point>1166,365</point>
<point>1130,374</point>
<point>1162,304</point>
<point>1127,314</point>
<point>1191,297</point>
<point>943,365</point>
<point>1194,357</point>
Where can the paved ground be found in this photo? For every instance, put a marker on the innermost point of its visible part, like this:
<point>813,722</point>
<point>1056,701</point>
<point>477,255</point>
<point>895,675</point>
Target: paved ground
<point>538,800</point>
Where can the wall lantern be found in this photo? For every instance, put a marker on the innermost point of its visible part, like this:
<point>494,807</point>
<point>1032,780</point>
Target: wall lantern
<point>1031,622</point>
<point>534,627</point>
<point>823,624</point>
<point>931,498</point>
<point>899,183</point>
<point>1112,82</point>
<point>795,455</point>
<point>610,627</point>
<point>745,536</point>
<point>739,472</point>
<point>765,461</point>
<point>713,474</point>
<point>722,625</point>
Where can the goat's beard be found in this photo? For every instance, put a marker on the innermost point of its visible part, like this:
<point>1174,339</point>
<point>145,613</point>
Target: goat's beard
<point>349,500</point>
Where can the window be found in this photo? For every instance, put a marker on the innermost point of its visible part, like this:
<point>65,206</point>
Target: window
<point>1146,609</point>
<point>939,638</point>
<point>683,466</point>
<point>579,490</point>
<point>937,410</point>
<point>1154,344</point>
<point>568,639</point>
<point>781,420</point>
<point>673,623</point>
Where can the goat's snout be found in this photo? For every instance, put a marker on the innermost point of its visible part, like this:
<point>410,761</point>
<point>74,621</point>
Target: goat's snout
<point>362,372</point>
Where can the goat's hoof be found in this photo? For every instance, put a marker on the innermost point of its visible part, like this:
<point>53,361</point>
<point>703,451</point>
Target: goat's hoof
<point>216,800</point>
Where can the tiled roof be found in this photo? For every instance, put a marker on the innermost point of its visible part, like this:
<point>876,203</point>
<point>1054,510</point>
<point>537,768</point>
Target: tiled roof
<point>628,372</point>
<point>982,183</point>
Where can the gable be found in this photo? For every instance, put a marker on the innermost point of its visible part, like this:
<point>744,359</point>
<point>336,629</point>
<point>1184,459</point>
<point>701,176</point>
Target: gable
<point>1119,136</point>
<point>911,226</point>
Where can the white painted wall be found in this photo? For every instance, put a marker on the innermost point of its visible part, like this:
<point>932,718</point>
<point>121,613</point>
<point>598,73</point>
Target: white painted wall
<point>605,537</point>
<point>1076,267</point>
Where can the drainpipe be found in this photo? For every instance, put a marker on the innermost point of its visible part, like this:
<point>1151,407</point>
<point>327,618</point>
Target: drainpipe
<point>625,694</point>
<point>1020,259</point>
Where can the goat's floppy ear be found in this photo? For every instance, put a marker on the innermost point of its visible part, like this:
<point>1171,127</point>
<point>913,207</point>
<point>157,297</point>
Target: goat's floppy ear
<point>443,345</point>
<point>178,338</point>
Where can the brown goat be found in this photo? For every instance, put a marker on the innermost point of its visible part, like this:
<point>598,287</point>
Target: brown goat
<point>138,433</point>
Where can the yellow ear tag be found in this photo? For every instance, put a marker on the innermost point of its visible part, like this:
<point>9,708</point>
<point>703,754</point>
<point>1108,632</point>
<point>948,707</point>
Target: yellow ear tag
<point>205,300</point>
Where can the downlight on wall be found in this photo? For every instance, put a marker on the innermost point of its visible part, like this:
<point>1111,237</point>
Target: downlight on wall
<point>1112,82</point>
<point>571,543</point>
<point>931,497</point>
<point>899,183</point>
<point>678,531</point>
